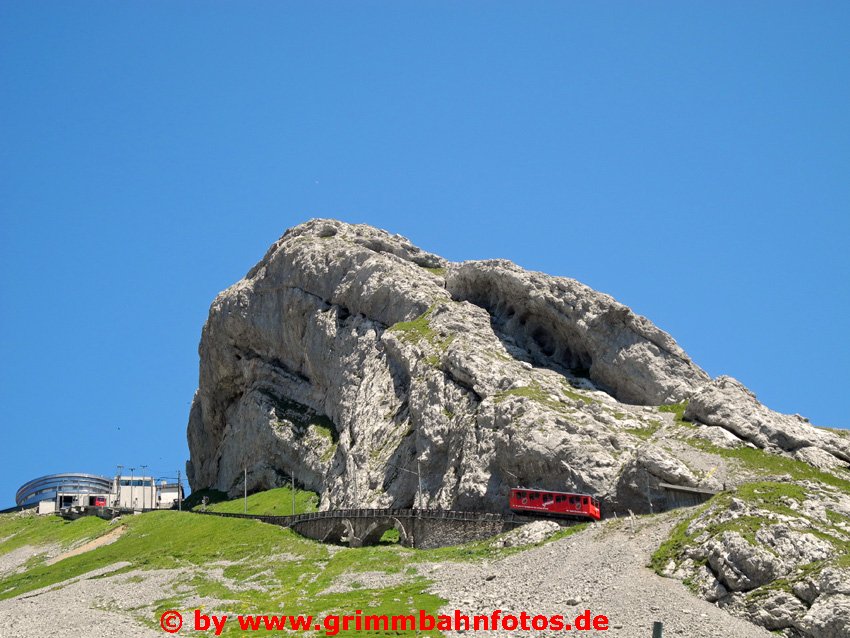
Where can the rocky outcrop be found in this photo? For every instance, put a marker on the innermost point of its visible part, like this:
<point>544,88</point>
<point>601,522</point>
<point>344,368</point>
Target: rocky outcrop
<point>726,403</point>
<point>829,614</point>
<point>560,323</point>
<point>773,554</point>
<point>530,534</point>
<point>355,361</point>
<point>739,565</point>
<point>377,374</point>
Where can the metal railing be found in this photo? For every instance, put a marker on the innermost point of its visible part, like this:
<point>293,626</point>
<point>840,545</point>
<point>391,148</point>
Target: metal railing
<point>453,515</point>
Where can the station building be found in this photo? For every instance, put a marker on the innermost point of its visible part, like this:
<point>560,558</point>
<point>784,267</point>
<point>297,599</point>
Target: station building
<point>65,490</point>
<point>55,492</point>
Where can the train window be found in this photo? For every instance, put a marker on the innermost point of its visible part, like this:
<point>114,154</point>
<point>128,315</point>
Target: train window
<point>584,500</point>
<point>520,494</point>
<point>559,499</point>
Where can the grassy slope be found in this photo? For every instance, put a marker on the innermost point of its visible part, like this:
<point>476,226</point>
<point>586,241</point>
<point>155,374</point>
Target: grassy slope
<point>281,571</point>
<point>276,502</point>
<point>18,531</point>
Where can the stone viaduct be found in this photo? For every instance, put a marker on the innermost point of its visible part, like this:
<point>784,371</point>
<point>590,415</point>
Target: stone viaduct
<point>423,529</point>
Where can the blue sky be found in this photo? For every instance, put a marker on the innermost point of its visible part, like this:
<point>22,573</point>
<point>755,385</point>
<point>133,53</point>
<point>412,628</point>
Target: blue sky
<point>691,159</point>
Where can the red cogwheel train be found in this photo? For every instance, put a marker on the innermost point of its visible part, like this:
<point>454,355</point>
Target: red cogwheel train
<point>558,504</point>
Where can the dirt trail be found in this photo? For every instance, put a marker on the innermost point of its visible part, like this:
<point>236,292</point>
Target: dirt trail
<point>602,569</point>
<point>100,541</point>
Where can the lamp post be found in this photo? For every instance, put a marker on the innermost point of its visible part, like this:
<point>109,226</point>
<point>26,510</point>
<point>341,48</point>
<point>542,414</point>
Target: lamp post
<point>117,501</point>
<point>132,485</point>
<point>144,487</point>
<point>353,479</point>
<point>292,488</point>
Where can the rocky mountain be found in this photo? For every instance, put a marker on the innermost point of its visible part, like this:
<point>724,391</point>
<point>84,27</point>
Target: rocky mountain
<point>379,375</point>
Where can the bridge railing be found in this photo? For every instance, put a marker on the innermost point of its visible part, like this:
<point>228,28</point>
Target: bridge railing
<point>288,521</point>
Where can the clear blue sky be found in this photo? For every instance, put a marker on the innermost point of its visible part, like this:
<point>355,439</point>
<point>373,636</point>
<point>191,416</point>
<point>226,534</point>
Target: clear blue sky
<point>691,159</point>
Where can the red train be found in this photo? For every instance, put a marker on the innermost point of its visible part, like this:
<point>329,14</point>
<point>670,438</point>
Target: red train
<point>561,504</point>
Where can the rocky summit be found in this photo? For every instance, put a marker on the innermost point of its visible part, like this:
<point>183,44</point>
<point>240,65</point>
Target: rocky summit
<point>380,375</point>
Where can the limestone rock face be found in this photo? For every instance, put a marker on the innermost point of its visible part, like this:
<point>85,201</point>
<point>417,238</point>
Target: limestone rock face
<point>354,360</point>
<point>739,565</point>
<point>829,615</point>
<point>773,555</point>
<point>378,374</point>
<point>529,534</point>
<point>726,403</point>
<point>561,322</point>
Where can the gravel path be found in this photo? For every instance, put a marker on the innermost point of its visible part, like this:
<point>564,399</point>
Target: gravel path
<point>602,569</point>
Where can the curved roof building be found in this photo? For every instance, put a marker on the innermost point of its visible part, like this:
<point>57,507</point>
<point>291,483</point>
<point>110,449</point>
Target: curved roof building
<point>48,487</point>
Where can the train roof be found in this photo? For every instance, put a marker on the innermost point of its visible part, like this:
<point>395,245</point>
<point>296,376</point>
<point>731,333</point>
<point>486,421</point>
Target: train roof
<point>541,491</point>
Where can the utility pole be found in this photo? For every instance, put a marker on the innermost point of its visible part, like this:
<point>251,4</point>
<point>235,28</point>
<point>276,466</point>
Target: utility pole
<point>354,481</point>
<point>132,485</point>
<point>179,494</point>
<point>145,489</point>
<point>246,489</point>
<point>419,476</point>
<point>118,485</point>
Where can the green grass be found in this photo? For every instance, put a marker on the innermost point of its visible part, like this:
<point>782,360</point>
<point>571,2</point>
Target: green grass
<point>181,539</point>
<point>419,330</point>
<point>533,392</point>
<point>773,496</point>
<point>645,432</point>
<point>390,536</point>
<point>19,530</point>
<point>302,417</point>
<point>835,517</point>
<point>575,396</point>
<point>767,495</point>
<point>781,498</point>
<point>770,465</point>
<point>276,502</point>
<point>569,391</point>
<point>674,546</point>
<point>678,412</point>
<point>536,393</point>
<point>440,272</point>
<point>171,539</point>
<point>197,497</point>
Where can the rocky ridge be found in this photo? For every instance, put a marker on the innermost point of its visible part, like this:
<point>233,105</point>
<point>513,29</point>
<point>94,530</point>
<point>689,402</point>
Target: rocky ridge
<point>366,367</point>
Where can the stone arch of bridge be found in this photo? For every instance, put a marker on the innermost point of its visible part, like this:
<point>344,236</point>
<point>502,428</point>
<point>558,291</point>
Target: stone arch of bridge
<point>376,530</point>
<point>342,531</point>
